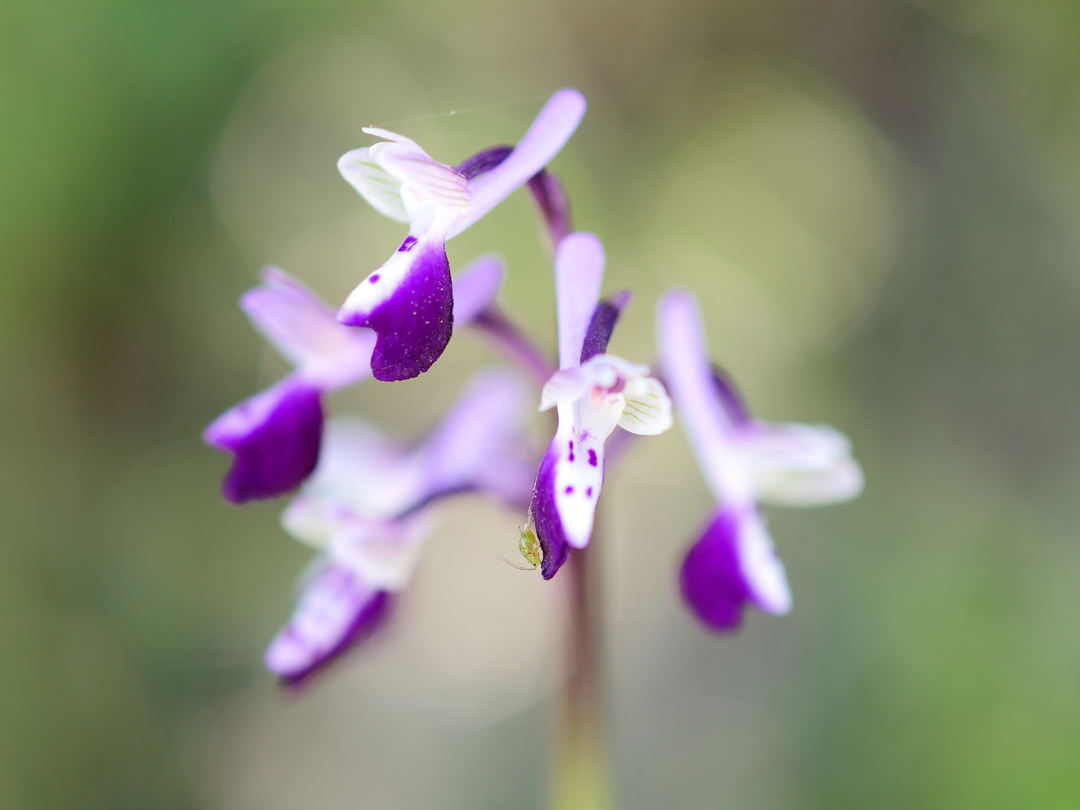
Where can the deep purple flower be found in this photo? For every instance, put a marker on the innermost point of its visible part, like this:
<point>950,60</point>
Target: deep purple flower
<point>593,392</point>
<point>746,462</point>
<point>275,434</point>
<point>408,301</point>
<point>369,508</point>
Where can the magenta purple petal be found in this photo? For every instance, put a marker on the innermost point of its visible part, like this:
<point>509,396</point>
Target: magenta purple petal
<point>335,612</point>
<point>274,437</point>
<point>414,324</point>
<point>545,515</point>
<point>483,162</point>
<point>711,578</point>
<point>554,204</point>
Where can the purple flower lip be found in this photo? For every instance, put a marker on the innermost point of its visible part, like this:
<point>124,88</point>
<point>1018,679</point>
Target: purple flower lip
<point>409,304</point>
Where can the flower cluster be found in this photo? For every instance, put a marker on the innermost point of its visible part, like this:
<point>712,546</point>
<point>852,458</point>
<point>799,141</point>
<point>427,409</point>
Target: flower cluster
<point>367,503</point>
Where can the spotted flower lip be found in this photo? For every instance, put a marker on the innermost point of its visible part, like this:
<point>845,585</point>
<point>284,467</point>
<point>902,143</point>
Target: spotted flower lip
<point>408,301</point>
<point>593,393</point>
<point>369,508</point>
<point>275,435</point>
<point>745,462</point>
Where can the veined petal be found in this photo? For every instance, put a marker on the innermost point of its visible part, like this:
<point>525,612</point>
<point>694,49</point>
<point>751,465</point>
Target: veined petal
<point>476,287</point>
<point>475,435</point>
<point>304,330</point>
<point>579,272</point>
<point>274,437</point>
<point>798,465</point>
<point>336,610</point>
<point>733,563</point>
<point>376,185</point>
<point>648,409</point>
<point>404,160</point>
<point>409,304</point>
<point>547,135</point>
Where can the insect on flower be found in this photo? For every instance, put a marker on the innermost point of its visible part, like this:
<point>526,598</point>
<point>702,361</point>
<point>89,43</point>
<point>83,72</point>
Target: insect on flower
<point>529,546</point>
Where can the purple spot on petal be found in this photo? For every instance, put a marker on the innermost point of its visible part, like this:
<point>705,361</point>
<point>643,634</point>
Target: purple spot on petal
<point>711,579</point>
<point>407,245</point>
<point>571,443</point>
<point>414,324</point>
<point>569,490</point>
<point>588,492</point>
<point>275,439</point>
<point>374,278</point>
<point>592,457</point>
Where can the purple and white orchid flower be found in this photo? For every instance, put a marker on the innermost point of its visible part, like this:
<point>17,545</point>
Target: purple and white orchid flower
<point>745,462</point>
<point>367,510</point>
<point>409,300</point>
<point>593,393</point>
<point>275,434</point>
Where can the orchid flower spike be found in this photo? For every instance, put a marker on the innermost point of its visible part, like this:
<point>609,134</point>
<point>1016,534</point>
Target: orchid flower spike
<point>408,301</point>
<point>745,462</point>
<point>368,511</point>
<point>275,434</point>
<point>593,393</point>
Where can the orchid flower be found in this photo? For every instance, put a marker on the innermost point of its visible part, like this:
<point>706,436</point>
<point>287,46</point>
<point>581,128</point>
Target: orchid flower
<point>593,393</point>
<point>745,462</point>
<point>275,434</point>
<point>368,511</point>
<point>408,301</point>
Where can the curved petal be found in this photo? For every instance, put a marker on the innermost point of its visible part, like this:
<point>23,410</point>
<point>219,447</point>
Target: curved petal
<point>648,409</point>
<point>376,185</point>
<point>685,367</point>
<point>799,465</point>
<point>274,437</point>
<point>384,554</point>
<point>579,272</point>
<point>409,303</point>
<point>578,473</point>
<point>548,134</point>
<point>544,515</point>
<point>734,562</point>
<point>432,181</point>
<point>304,330</point>
<point>336,611</point>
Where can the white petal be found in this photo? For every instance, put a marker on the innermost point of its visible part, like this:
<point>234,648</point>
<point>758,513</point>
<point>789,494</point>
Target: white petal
<point>762,568</point>
<point>579,272</point>
<point>798,465</point>
<point>381,189</point>
<point>578,478</point>
<point>384,554</point>
<point>406,161</point>
<point>648,410</point>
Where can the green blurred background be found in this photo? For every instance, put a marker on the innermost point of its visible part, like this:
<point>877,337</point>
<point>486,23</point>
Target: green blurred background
<point>877,203</point>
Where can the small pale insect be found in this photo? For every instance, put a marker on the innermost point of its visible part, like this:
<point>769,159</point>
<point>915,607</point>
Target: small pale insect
<point>529,546</point>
